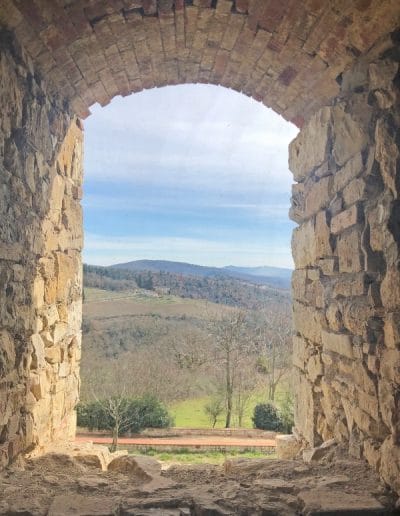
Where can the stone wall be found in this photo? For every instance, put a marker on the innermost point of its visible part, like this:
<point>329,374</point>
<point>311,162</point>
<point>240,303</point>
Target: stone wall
<point>346,286</point>
<point>40,265</point>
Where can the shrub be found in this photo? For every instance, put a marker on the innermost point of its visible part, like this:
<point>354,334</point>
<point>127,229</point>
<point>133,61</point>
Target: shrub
<point>267,417</point>
<point>287,414</point>
<point>136,414</point>
<point>149,412</point>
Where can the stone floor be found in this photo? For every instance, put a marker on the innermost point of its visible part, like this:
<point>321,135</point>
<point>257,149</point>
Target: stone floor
<point>84,482</point>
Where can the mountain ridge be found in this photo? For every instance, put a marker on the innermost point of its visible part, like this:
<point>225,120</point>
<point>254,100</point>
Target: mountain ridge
<point>262,275</point>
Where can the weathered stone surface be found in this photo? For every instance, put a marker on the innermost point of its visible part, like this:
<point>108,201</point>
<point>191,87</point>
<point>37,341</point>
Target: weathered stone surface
<point>143,468</point>
<point>349,138</point>
<point>344,220</point>
<point>320,452</point>
<point>304,245</point>
<point>331,501</point>
<point>309,150</point>
<point>287,446</point>
<point>82,505</point>
<point>349,251</point>
<point>338,343</point>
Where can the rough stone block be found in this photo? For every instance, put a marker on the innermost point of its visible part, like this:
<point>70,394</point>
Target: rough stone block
<point>338,343</point>
<point>308,321</point>
<point>304,245</point>
<point>390,289</point>
<point>301,352</point>
<point>287,447</point>
<point>345,220</point>
<point>330,501</point>
<point>349,137</point>
<point>317,196</point>
<point>349,251</point>
<point>392,330</point>
<point>309,149</point>
<point>348,172</point>
<point>323,246</point>
<point>304,408</point>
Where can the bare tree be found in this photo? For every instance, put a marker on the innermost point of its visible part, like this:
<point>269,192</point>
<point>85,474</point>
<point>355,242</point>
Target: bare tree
<point>245,386</point>
<point>231,345</point>
<point>274,340</point>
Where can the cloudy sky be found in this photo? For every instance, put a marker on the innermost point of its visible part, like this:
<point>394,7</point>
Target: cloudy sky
<point>193,173</point>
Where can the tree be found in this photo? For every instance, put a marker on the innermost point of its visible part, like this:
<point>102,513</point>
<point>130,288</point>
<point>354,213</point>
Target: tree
<point>245,385</point>
<point>214,409</point>
<point>274,339</point>
<point>231,346</point>
<point>120,415</point>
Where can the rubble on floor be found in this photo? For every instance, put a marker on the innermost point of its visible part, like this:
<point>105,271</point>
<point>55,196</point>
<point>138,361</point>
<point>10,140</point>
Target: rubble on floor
<point>73,482</point>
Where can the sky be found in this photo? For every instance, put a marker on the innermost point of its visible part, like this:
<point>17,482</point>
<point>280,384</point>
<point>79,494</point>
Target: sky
<point>192,173</point>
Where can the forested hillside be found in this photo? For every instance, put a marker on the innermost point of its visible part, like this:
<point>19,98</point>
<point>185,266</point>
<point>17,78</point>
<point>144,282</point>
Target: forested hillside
<point>172,336</point>
<point>221,290</point>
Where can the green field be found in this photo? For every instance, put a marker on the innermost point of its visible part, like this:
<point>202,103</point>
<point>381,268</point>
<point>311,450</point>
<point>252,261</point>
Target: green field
<point>190,413</point>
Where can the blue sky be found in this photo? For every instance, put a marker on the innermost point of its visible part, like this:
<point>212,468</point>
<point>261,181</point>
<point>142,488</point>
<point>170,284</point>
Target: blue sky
<point>193,173</point>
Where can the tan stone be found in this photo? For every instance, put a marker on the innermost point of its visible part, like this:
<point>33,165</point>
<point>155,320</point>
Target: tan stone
<point>351,285</point>
<point>304,245</point>
<point>334,317</point>
<point>304,407</point>
<point>390,365</point>
<point>338,343</point>
<point>325,500</point>
<point>56,196</point>
<point>287,447</point>
<point>386,154</point>
<point>349,171</point>
<point>344,220</point>
<point>308,321</point>
<point>309,150</point>
<point>392,329</point>
<point>315,368</point>
<point>323,245</point>
<point>38,292</point>
<point>53,354</point>
<point>349,251</point>
<point>300,352</point>
<point>317,196</point>
<point>349,137</point>
<point>38,356</point>
<point>390,460</point>
<point>390,289</point>
<point>329,266</point>
<point>355,191</point>
<point>372,453</point>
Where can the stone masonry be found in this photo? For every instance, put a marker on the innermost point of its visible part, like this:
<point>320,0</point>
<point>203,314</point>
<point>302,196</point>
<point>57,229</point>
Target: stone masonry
<point>40,267</point>
<point>330,67</point>
<point>284,53</point>
<point>346,284</point>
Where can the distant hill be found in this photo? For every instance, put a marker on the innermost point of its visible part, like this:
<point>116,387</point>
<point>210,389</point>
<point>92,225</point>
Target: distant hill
<point>273,276</point>
<point>222,288</point>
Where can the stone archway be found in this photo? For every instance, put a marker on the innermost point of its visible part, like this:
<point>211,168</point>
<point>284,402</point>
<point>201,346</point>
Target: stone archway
<point>329,67</point>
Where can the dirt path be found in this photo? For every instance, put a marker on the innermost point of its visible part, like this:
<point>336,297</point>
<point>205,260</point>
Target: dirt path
<point>195,442</point>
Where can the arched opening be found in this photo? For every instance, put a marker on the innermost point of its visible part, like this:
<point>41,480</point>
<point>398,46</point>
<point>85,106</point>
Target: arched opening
<point>195,174</point>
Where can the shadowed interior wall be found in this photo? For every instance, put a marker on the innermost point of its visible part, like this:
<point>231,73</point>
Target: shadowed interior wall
<point>40,264</point>
<point>346,286</point>
<point>289,54</point>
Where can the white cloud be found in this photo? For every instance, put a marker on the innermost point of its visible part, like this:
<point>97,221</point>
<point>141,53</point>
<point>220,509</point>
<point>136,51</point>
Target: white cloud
<point>218,139</point>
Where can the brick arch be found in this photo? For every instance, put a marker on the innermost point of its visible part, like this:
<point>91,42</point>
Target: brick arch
<point>287,54</point>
